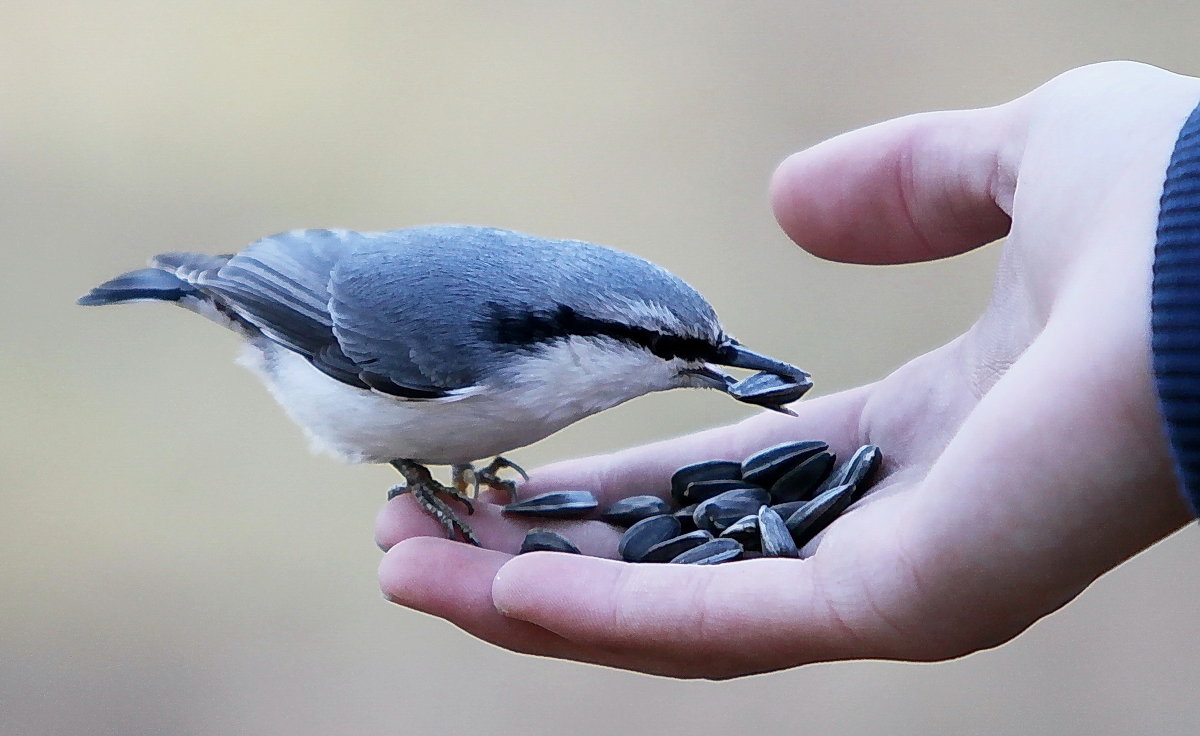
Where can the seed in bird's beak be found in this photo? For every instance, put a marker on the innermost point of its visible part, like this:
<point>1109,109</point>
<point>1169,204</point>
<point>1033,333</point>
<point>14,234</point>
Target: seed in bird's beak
<point>769,390</point>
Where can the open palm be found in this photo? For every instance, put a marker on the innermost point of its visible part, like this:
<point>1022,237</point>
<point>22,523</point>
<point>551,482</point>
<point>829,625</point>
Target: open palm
<point>1023,459</point>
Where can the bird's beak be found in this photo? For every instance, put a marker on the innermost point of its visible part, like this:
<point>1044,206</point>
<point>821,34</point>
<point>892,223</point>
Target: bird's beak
<point>774,386</point>
<point>710,378</point>
<point>735,356</point>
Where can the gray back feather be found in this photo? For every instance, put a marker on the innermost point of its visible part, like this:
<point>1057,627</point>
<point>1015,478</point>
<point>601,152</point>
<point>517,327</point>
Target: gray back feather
<point>281,285</point>
<point>414,312</point>
<point>422,303</point>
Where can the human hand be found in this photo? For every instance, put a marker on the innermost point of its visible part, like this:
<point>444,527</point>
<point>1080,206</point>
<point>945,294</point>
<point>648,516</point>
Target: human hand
<point>1022,460</point>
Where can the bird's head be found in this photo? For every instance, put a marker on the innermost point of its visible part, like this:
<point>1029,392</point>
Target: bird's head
<point>662,335</point>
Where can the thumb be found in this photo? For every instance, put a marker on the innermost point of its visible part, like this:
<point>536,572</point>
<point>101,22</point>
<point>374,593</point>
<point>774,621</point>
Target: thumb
<point>912,189</point>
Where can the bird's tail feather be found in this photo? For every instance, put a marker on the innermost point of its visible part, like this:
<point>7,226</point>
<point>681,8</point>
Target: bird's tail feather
<point>169,279</point>
<point>147,284</point>
<point>172,277</point>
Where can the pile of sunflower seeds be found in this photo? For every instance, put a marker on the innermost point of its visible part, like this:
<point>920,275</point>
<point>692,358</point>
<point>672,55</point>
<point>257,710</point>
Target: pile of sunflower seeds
<point>769,505</point>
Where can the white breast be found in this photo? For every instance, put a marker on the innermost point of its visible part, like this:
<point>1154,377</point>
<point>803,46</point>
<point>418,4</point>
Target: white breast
<point>525,401</point>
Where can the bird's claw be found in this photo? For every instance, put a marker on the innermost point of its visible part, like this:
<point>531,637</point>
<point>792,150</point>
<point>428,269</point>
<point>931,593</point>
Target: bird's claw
<point>490,477</point>
<point>427,493</point>
<point>429,502</point>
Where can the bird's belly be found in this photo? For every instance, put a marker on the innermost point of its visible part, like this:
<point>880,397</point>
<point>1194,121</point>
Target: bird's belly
<point>366,427</point>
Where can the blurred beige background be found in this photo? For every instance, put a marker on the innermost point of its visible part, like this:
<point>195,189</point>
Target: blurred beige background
<point>174,561</point>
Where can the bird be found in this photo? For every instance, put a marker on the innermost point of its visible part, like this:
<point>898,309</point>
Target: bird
<point>450,344</point>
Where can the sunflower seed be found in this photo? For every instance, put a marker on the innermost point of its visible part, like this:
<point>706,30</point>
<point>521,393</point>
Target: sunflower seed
<point>745,531</point>
<point>705,489</point>
<point>776,540</point>
<point>787,509</point>
<point>769,505</point>
<point>684,515</point>
<point>640,537</point>
<point>711,553</point>
<point>819,513</point>
<point>675,546</point>
<point>863,466</point>
<point>708,470</point>
<point>718,512</point>
<point>544,540</point>
<point>629,511</point>
<point>557,505</point>
<point>769,389</point>
<point>799,483</point>
<point>765,467</point>
<point>859,469</point>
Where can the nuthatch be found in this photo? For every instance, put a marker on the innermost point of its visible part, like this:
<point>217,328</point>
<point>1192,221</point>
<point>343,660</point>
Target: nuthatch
<point>443,345</point>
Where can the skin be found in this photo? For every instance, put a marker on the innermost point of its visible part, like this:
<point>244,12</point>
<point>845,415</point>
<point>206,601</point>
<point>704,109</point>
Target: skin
<point>1024,459</point>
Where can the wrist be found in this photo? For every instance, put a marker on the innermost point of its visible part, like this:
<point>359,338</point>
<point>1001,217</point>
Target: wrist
<point>1175,309</point>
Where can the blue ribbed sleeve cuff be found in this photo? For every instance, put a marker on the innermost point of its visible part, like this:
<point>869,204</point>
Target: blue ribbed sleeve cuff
<point>1175,307</point>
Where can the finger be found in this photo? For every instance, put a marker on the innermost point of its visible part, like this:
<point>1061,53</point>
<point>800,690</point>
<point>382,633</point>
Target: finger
<point>453,581</point>
<point>739,618</point>
<point>647,469</point>
<point>402,519</point>
<point>913,189</point>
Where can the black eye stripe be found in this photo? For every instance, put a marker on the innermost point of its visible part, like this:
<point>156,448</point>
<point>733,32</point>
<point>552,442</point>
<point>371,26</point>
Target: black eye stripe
<point>533,328</point>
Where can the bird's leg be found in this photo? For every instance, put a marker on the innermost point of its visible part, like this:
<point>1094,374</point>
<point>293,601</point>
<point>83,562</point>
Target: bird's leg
<point>425,490</point>
<point>489,476</point>
<point>464,475</point>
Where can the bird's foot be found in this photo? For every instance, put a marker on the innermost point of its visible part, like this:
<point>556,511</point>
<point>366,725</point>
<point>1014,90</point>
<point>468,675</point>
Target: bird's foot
<point>427,491</point>
<point>489,476</point>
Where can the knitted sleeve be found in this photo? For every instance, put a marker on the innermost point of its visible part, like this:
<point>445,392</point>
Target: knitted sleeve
<point>1175,308</point>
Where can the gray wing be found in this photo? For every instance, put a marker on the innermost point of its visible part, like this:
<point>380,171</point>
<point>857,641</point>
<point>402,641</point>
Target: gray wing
<point>281,286</point>
<point>449,304</point>
<point>405,306</point>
